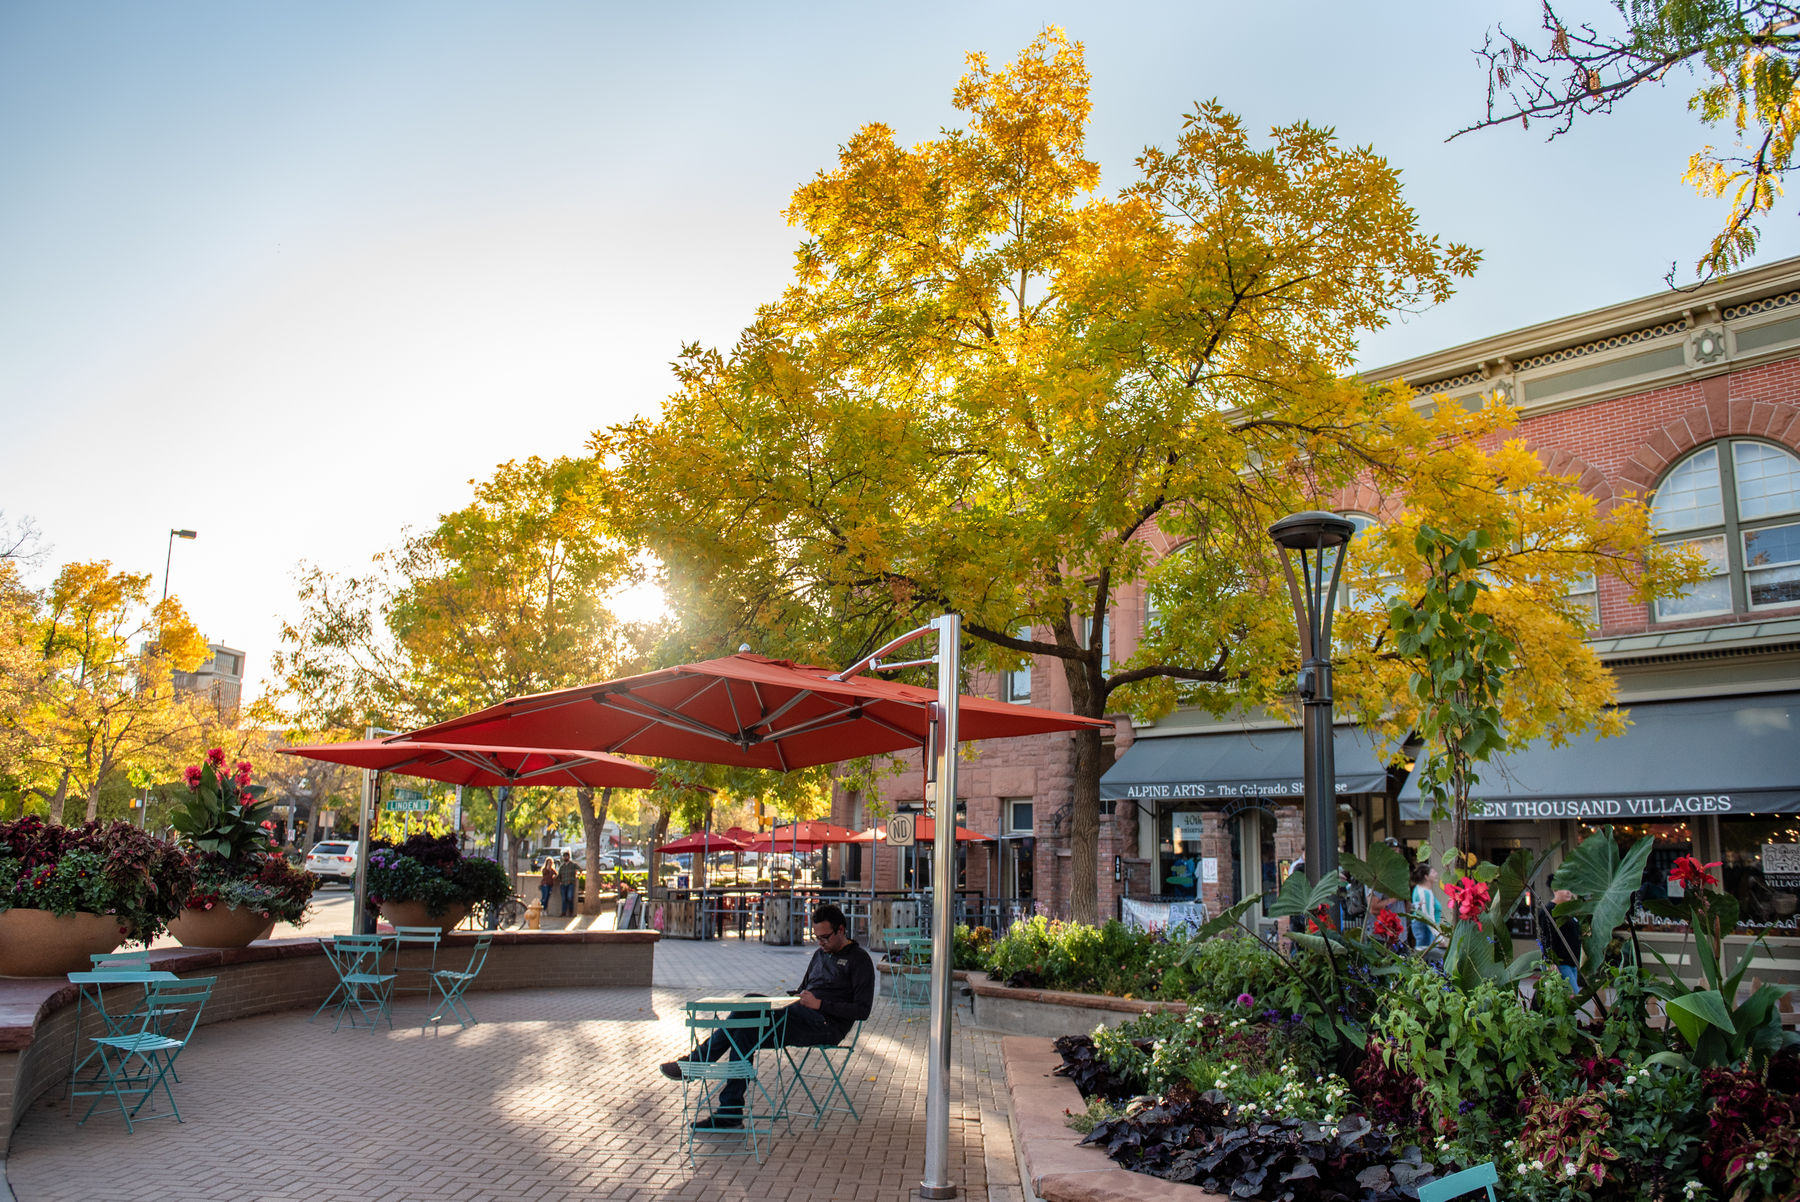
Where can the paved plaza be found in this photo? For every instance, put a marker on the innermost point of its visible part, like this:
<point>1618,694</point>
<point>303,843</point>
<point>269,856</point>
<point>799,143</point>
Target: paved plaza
<point>555,1094</point>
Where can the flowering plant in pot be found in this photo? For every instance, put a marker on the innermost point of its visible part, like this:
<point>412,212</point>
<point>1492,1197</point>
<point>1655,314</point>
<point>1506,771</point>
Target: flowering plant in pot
<point>430,873</point>
<point>241,885</point>
<point>68,891</point>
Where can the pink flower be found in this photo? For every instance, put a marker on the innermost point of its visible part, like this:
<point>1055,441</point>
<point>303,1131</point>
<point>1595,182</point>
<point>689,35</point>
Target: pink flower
<point>1468,898</point>
<point>192,776</point>
<point>243,773</point>
<point>267,825</point>
<point>216,757</point>
<point>1245,1000</point>
<point>1690,873</point>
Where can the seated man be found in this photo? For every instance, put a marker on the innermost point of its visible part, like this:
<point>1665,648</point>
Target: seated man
<point>837,993</point>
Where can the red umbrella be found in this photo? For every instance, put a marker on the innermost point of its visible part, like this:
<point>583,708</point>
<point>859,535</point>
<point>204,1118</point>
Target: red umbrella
<point>924,831</point>
<point>738,834</point>
<point>483,764</point>
<point>744,710</point>
<point>700,842</point>
<point>801,836</point>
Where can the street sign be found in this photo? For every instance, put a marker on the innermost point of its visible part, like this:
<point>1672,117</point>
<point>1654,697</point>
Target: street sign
<point>400,794</point>
<point>900,830</point>
<point>413,804</point>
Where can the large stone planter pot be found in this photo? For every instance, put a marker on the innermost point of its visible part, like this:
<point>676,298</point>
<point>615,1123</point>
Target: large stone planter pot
<point>220,927</point>
<point>37,943</point>
<point>413,914</point>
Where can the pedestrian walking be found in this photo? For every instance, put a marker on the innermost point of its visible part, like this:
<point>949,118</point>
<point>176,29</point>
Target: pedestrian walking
<point>546,882</point>
<point>1427,907</point>
<point>565,876</point>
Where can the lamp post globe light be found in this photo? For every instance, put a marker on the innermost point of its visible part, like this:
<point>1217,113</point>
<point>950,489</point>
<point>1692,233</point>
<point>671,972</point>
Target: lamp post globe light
<point>1317,542</point>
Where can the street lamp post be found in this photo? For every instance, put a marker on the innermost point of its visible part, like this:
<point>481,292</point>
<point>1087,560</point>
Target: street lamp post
<point>169,559</point>
<point>1307,539</point>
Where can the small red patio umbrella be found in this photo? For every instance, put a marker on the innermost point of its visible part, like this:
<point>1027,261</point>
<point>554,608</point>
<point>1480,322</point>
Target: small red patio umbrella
<point>924,831</point>
<point>702,843</point>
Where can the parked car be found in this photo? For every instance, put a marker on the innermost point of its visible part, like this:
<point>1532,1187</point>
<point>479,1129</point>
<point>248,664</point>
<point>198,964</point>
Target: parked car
<point>630,858</point>
<point>334,861</point>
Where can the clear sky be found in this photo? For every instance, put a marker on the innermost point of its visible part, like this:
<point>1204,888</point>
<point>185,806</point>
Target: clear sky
<point>292,274</point>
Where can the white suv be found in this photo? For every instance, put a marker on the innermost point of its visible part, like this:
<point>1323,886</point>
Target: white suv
<point>334,861</point>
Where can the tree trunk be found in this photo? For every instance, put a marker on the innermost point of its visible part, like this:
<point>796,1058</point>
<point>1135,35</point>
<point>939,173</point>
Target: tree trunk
<point>1084,829</point>
<point>93,801</point>
<point>658,836</point>
<point>699,858</point>
<point>593,831</point>
<point>59,798</point>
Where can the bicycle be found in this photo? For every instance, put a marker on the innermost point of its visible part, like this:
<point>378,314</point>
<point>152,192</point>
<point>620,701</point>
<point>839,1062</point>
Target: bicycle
<point>508,915</point>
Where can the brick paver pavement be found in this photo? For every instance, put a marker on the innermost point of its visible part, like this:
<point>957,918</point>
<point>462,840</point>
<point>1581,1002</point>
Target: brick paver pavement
<point>555,1094</point>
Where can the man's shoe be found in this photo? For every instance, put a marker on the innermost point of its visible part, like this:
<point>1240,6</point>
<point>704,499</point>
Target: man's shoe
<point>671,1070</point>
<point>720,1121</point>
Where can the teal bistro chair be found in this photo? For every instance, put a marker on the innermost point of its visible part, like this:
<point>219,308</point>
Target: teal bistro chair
<point>704,1085</point>
<point>451,985</point>
<point>827,1078</point>
<point>362,986</point>
<point>1469,1181</point>
<point>134,1064</point>
<point>424,941</point>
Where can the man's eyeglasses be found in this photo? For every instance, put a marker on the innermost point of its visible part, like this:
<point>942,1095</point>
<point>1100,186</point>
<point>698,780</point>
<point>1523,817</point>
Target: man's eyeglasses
<point>825,936</point>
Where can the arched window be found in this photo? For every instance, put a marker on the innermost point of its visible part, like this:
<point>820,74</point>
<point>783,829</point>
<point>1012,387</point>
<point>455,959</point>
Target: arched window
<point>1737,502</point>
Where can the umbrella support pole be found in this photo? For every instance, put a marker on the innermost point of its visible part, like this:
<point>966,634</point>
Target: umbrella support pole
<point>942,758</point>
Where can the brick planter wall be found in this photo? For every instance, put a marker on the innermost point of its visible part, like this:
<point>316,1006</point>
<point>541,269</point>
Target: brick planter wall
<point>37,1014</point>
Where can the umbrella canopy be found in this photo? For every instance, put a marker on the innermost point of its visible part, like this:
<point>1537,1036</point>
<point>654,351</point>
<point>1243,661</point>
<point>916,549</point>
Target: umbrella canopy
<point>801,836</point>
<point>700,843</point>
<point>744,710</point>
<point>924,831</point>
<point>482,764</point>
<point>738,834</point>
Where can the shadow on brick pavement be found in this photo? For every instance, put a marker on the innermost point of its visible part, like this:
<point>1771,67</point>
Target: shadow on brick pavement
<point>555,1094</point>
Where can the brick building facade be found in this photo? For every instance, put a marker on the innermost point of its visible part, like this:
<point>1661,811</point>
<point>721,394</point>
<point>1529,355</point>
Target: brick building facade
<point>1690,399</point>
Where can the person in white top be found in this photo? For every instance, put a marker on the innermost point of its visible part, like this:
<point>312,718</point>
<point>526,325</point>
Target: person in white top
<point>1427,909</point>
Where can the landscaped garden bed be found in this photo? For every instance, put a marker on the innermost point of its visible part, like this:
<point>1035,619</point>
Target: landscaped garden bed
<point>1344,1066</point>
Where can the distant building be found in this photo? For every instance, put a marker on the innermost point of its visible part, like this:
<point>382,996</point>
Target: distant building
<point>220,678</point>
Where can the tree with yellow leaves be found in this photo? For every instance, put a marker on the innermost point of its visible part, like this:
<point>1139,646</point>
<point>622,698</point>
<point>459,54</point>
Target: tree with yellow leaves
<point>105,700</point>
<point>988,381</point>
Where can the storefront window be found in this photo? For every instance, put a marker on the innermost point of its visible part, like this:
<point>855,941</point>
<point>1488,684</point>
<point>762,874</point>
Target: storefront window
<point>1178,842</point>
<point>1762,866</point>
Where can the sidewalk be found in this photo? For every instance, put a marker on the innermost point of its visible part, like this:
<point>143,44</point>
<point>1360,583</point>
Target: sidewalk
<point>554,1095</point>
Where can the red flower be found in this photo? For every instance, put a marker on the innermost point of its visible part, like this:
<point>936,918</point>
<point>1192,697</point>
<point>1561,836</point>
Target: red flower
<point>192,776</point>
<point>1468,899</point>
<point>267,825</point>
<point>216,757</point>
<point>1388,925</point>
<point>243,773</point>
<point>1690,873</point>
<point>1321,920</point>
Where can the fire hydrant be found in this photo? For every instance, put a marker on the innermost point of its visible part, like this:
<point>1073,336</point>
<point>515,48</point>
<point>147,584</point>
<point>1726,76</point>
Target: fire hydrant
<point>534,916</point>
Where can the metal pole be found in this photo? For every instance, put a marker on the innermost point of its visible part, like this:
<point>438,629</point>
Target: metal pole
<point>942,797</point>
<point>364,836</point>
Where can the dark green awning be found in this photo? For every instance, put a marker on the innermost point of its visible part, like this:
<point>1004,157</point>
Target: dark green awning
<point>1704,755</point>
<point>1232,764</point>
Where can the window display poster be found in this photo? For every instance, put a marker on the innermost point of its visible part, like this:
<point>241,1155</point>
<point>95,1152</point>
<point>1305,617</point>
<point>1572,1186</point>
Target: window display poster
<point>1209,870</point>
<point>1781,865</point>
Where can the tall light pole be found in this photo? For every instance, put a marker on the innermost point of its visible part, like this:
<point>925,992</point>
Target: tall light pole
<point>1314,540</point>
<point>169,559</point>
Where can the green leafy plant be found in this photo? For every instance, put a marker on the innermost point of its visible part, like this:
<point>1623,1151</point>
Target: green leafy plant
<point>1111,959</point>
<point>1716,1029</point>
<point>113,869</point>
<point>1460,660</point>
<point>973,947</point>
<point>1478,1047</point>
<point>229,835</point>
<point>222,815</point>
<point>432,869</point>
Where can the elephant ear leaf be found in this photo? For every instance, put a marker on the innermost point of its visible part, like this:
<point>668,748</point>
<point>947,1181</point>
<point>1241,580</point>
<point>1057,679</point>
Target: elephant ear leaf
<point>1297,897</point>
<point>1385,871</point>
<point>1603,882</point>
<point>1693,1014</point>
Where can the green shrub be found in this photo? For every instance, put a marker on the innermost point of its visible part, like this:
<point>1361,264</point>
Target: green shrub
<point>973,947</point>
<point>1477,1049</point>
<point>1228,966</point>
<point>1111,959</point>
